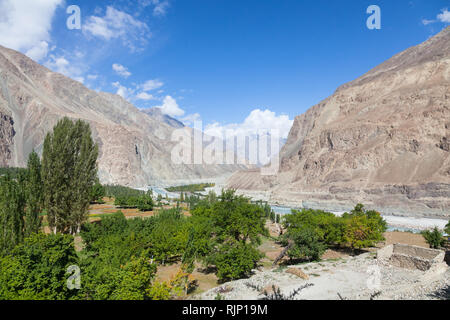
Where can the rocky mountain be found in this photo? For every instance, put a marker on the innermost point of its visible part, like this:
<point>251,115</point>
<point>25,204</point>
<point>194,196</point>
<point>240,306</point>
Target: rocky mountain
<point>382,140</point>
<point>158,115</point>
<point>135,148</point>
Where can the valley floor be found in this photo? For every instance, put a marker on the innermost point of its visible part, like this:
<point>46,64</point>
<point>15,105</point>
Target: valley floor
<point>337,276</point>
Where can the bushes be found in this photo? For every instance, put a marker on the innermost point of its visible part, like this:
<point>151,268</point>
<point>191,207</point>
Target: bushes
<point>114,191</point>
<point>447,228</point>
<point>235,261</point>
<point>434,238</point>
<point>191,187</point>
<point>312,231</point>
<point>307,244</point>
<point>36,269</point>
<point>130,198</point>
<point>143,202</point>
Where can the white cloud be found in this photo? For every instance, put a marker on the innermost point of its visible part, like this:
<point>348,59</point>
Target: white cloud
<point>25,25</point>
<point>190,119</point>
<point>79,79</point>
<point>160,7</point>
<point>444,16</point>
<point>257,125</point>
<point>151,85</point>
<point>140,92</point>
<point>427,22</point>
<point>171,108</point>
<point>62,65</point>
<point>123,91</point>
<point>38,52</point>
<point>257,120</point>
<point>92,76</point>
<point>145,96</point>
<point>121,70</point>
<point>117,24</point>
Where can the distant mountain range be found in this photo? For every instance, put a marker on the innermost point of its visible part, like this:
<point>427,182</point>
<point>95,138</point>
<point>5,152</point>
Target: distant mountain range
<point>135,145</point>
<point>382,140</point>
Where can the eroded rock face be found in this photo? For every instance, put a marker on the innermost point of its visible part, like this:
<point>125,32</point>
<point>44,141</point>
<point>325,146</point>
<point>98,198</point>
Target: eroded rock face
<point>382,139</point>
<point>135,148</point>
<point>6,139</point>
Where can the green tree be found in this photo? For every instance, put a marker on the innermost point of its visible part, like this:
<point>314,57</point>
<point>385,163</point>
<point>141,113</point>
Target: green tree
<point>12,206</point>
<point>272,216</point>
<point>228,225</point>
<point>34,195</point>
<point>307,244</point>
<point>434,238</point>
<point>36,269</point>
<point>97,193</point>
<point>447,228</point>
<point>235,260</point>
<point>363,228</point>
<point>129,281</point>
<point>69,170</point>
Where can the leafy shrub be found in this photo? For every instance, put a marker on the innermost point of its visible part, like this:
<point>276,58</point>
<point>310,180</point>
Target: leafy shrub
<point>434,238</point>
<point>307,244</point>
<point>235,261</point>
<point>36,269</point>
<point>311,231</point>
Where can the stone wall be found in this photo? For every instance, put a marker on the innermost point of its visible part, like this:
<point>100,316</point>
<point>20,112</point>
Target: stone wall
<point>411,257</point>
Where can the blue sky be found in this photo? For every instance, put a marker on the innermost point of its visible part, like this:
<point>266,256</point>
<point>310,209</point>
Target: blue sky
<point>232,63</point>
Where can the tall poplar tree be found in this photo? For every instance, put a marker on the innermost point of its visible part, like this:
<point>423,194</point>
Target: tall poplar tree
<point>69,170</point>
<point>12,205</point>
<point>33,195</point>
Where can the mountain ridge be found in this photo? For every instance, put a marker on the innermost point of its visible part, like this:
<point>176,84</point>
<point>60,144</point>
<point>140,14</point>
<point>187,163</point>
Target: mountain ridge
<point>381,139</point>
<point>135,148</point>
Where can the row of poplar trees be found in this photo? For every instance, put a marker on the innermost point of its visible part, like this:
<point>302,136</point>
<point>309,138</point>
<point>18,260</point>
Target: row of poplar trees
<point>59,186</point>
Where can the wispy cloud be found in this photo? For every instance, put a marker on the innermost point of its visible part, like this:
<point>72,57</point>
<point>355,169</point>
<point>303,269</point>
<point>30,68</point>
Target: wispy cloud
<point>145,96</point>
<point>151,85</point>
<point>159,6</point>
<point>62,65</point>
<point>123,91</point>
<point>121,70</point>
<point>116,24</point>
<point>443,17</point>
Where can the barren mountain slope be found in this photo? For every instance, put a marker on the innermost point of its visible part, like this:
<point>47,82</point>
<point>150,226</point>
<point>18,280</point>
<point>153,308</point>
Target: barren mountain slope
<point>135,148</point>
<point>383,140</point>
